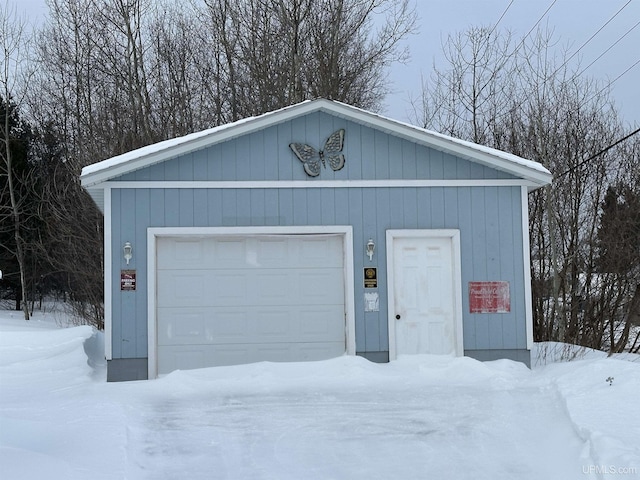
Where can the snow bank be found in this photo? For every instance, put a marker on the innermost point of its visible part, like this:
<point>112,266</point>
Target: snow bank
<point>417,417</point>
<point>601,398</point>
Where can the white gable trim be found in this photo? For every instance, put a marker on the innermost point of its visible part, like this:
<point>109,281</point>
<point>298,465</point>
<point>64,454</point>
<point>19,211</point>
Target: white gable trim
<point>320,184</point>
<point>491,157</point>
<point>156,153</point>
<point>98,190</point>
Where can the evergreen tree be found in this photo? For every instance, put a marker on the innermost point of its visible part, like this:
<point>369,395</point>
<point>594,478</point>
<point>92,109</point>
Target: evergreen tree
<point>619,231</point>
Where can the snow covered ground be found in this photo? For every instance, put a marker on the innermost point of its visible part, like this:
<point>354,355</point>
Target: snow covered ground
<point>416,418</point>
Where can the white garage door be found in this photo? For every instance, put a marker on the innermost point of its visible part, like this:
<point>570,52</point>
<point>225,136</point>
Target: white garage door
<point>232,300</point>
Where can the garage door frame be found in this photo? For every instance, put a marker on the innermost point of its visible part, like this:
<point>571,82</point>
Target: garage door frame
<point>154,232</point>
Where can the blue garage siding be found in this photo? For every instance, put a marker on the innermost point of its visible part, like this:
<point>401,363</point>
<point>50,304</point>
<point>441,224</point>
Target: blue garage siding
<point>265,156</point>
<point>489,220</point>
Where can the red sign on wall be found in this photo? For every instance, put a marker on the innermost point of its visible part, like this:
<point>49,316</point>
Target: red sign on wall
<point>489,297</point>
<point>127,280</point>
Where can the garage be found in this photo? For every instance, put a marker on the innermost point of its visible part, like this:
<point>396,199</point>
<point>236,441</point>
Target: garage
<point>311,232</point>
<point>229,299</point>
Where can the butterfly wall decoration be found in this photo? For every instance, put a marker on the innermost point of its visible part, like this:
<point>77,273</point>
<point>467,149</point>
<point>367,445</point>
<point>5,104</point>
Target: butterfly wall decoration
<point>313,159</point>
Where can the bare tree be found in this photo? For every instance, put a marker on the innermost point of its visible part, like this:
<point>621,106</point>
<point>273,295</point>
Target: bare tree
<point>120,74</point>
<point>13,43</point>
<point>518,97</point>
<point>465,99</point>
<point>271,53</point>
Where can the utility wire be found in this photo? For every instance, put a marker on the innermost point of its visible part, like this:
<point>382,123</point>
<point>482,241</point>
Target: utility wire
<point>596,33</point>
<point>613,45</point>
<point>502,16</point>
<point>580,48</point>
<point>604,150</point>
<point>608,85</point>
<point>535,25</point>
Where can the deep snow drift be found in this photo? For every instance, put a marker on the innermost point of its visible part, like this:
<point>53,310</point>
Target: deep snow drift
<point>416,418</point>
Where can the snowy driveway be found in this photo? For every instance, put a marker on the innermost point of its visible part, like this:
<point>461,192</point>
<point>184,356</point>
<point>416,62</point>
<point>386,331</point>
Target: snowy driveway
<point>407,421</point>
<point>419,417</point>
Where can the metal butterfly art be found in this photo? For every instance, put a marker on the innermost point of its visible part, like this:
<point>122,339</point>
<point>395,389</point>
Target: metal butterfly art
<point>312,159</point>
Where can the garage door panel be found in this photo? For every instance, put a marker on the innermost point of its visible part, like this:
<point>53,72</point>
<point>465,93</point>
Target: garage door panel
<point>321,252</point>
<point>225,288</point>
<point>231,287</point>
<point>320,351</point>
<point>180,253</point>
<point>180,287</point>
<point>272,253</point>
<point>324,323</point>
<point>272,287</point>
<point>227,251</point>
<point>181,326</point>
<point>249,299</point>
<point>273,324</point>
<point>228,325</point>
<point>321,285</point>
<point>185,357</point>
<point>195,326</point>
<point>181,358</point>
<point>254,325</point>
<point>206,253</point>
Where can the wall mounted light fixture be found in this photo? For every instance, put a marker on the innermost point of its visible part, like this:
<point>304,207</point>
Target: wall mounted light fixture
<point>370,248</point>
<point>128,251</point>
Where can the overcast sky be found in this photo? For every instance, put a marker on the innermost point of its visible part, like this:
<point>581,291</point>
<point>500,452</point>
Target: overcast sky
<point>573,21</point>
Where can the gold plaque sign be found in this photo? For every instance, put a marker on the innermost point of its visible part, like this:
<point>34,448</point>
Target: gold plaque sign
<point>370,277</point>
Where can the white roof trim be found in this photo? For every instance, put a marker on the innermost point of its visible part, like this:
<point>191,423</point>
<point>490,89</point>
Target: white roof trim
<point>100,172</point>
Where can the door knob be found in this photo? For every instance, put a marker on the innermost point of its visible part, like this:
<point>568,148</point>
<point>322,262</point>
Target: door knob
<point>397,317</point>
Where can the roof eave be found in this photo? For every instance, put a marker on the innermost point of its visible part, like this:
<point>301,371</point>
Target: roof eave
<point>93,176</point>
<point>173,150</point>
<point>540,176</point>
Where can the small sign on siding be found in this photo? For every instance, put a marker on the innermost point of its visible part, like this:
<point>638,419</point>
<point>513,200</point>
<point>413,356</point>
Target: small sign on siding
<point>370,277</point>
<point>489,297</point>
<point>127,280</point>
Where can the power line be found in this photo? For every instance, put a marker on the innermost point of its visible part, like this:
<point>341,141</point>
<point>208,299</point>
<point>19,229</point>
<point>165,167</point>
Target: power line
<point>499,19</point>
<point>612,45</point>
<point>502,16</point>
<point>596,33</point>
<point>564,64</point>
<point>604,150</point>
<point>547,78</point>
<point>607,86</point>
<point>535,25</point>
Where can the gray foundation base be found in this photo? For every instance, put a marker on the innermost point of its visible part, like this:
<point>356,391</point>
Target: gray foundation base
<point>126,369</point>
<point>375,357</point>
<point>523,356</point>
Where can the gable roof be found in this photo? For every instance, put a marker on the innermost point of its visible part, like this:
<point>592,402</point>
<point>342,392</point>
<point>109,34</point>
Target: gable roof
<point>94,175</point>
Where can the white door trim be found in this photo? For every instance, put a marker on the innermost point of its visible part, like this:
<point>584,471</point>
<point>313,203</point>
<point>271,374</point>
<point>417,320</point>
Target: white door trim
<point>457,280</point>
<point>526,257</point>
<point>108,278</point>
<point>154,232</point>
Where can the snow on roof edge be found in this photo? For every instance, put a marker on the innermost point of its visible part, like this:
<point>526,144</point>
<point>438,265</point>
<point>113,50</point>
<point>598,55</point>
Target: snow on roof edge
<point>324,104</point>
<point>170,143</point>
<point>475,146</point>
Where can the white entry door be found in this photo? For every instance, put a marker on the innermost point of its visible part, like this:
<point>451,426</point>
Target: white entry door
<point>424,313</point>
